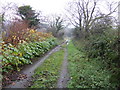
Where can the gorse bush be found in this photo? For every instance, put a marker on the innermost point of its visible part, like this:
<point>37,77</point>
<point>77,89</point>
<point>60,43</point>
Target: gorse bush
<point>13,57</point>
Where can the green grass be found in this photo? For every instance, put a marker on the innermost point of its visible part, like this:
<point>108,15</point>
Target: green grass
<point>47,74</point>
<point>86,73</point>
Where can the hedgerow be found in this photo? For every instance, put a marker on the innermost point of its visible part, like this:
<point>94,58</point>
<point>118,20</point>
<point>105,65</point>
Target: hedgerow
<point>104,48</point>
<point>87,72</point>
<point>21,44</point>
<point>13,57</point>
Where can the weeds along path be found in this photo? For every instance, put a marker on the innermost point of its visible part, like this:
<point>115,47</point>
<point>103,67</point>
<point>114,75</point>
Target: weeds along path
<point>29,70</point>
<point>64,76</point>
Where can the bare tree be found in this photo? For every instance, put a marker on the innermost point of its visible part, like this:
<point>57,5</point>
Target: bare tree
<point>83,13</point>
<point>6,11</point>
<point>102,25</point>
<point>56,23</point>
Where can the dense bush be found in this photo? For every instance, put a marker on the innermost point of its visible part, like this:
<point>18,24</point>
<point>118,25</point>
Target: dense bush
<point>87,73</point>
<point>18,32</point>
<point>15,32</point>
<point>104,47</point>
<point>21,44</point>
<point>13,57</point>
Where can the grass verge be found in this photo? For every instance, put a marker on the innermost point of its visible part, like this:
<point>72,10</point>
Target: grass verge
<point>47,74</point>
<point>86,73</point>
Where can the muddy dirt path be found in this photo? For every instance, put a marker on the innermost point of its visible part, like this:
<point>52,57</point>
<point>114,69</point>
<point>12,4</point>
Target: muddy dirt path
<point>29,70</point>
<point>64,76</point>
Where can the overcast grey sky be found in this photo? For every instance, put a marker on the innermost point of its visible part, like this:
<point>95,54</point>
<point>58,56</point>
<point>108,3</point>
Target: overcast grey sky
<point>46,6</point>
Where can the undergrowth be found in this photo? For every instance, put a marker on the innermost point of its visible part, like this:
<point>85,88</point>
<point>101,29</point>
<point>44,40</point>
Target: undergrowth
<point>13,57</point>
<point>87,73</point>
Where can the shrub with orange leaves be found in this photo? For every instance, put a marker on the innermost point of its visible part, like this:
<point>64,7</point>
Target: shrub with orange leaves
<point>19,32</point>
<point>37,36</point>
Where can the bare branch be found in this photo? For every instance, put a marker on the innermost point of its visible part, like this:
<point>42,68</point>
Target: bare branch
<point>83,13</point>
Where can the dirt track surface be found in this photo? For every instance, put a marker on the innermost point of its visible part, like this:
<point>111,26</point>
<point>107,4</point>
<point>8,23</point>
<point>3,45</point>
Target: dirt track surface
<point>64,76</point>
<point>29,71</point>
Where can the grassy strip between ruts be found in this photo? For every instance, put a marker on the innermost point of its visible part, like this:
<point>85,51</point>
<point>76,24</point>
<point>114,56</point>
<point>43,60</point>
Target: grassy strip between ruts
<point>86,73</point>
<point>47,74</point>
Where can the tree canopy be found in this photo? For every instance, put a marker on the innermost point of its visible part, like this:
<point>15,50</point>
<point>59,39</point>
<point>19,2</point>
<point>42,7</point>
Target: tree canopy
<point>29,15</point>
